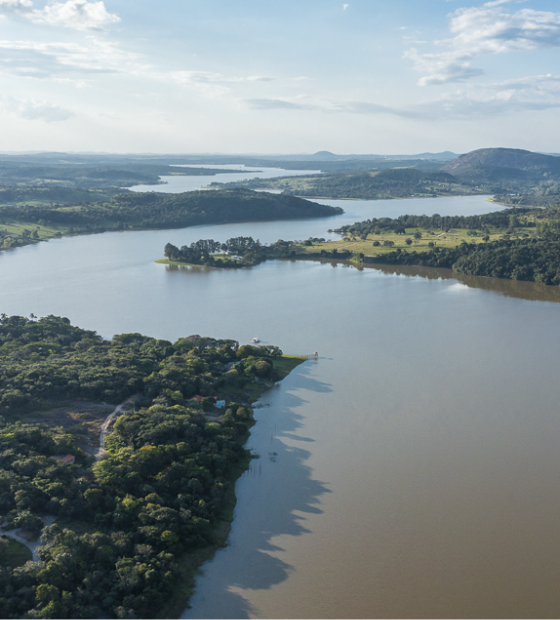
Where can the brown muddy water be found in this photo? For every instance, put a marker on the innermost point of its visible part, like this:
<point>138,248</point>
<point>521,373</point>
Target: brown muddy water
<point>413,470</point>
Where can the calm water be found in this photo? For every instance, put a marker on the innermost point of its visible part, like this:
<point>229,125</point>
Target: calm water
<point>412,471</point>
<point>174,184</point>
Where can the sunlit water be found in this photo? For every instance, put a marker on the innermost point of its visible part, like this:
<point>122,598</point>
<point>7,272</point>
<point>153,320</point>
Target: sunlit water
<point>412,471</point>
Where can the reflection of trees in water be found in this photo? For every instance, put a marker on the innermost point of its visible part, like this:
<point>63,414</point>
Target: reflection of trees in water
<point>532,291</point>
<point>284,498</point>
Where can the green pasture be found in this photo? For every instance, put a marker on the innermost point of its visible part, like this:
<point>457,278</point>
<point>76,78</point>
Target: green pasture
<point>450,239</point>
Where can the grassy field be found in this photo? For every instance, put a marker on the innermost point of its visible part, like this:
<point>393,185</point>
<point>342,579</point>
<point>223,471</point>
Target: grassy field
<point>43,232</point>
<point>284,365</point>
<point>17,553</point>
<point>449,239</point>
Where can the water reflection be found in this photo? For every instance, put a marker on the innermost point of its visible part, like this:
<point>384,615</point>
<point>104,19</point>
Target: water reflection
<point>274,497</point>
<point>532,291</point>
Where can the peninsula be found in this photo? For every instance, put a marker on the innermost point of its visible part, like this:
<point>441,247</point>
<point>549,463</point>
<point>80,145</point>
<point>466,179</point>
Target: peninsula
<point>131,522</point>
<point>23,224</point>
<point>518,244</point>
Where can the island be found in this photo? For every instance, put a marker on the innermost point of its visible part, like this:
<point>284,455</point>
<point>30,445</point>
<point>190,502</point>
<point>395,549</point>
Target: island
<point>118,463</point>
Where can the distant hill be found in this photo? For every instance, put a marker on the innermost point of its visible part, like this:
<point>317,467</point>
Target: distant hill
<point>365,185</point>
<point>503,163</point>
<point>505,169</point>
<point>325,155</point>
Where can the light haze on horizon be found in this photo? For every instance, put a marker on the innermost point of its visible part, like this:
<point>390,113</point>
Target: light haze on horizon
<point>366,76</point>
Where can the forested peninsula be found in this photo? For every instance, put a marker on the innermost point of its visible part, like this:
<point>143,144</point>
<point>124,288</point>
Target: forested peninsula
<point>518,244</point>
<point>131,521</point>
<point>24,224</point>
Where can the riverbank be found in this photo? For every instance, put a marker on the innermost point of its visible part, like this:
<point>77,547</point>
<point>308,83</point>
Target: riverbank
<point>190,564</point>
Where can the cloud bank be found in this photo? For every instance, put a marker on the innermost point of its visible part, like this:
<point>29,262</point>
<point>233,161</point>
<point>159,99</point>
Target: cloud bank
<point>33,110</point>
<point>485,30</point>
<point>76,14</point>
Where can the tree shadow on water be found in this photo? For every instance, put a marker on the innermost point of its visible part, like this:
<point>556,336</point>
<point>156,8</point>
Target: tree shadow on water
<point>275,497</point>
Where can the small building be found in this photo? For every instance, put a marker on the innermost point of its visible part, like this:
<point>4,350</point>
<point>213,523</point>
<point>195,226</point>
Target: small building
<point>65,458</point>
<point>198,398</point>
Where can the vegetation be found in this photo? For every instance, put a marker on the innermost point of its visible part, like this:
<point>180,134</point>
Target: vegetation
<point>535,260</point>
<point>62,174</point>
<point>127,523</point>
<point>13,553</point>
<point>367,185</point>
<point>234,253</point>
<point>506,171</point>
<point>22,225</point>
<point>520,244</point>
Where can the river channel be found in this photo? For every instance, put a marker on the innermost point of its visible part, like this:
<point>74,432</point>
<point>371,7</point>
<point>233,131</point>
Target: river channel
<point>411,471</point>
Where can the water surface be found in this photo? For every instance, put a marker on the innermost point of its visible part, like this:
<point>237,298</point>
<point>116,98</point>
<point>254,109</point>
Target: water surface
<point>412,471</point>
<point>174,184</point>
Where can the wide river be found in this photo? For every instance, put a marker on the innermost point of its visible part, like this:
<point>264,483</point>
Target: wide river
<point>413,470</point>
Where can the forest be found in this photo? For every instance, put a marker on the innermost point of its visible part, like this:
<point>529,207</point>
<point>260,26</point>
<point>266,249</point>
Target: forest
<point>366,185</point>
<point>140,211</point>
<point>518,244</point>
<point>534,260</point>
<point>232,254</point>
<point>92,173</point>
<point>124,522</point>
<point>498,219</point>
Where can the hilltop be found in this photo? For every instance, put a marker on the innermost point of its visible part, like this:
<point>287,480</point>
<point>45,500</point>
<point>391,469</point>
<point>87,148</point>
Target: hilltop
<point>506,168</point>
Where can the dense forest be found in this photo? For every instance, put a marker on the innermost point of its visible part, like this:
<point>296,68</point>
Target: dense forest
<point>124,522</point>
<point>498,219</point>
<point>26,195</point>
<point>534,260</point>
<point>137,211</point>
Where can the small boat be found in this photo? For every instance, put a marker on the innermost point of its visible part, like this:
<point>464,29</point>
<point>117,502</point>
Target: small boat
<point>255,340</point>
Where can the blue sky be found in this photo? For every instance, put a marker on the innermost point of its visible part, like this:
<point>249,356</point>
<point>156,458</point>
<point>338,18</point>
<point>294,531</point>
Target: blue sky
<point>367,76</point>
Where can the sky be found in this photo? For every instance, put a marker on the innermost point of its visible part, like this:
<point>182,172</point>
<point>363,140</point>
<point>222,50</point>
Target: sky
<point>254,76</point>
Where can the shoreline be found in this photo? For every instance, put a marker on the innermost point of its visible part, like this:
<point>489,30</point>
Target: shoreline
<point>61,233</point>
<point>191,563</point>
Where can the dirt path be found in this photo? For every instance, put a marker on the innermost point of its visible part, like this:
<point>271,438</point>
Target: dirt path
<point>105,426</point>
<point>347,245</point>
<point>32,546</point>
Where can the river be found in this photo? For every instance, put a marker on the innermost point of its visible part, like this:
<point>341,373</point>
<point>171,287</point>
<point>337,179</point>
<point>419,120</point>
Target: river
<point>173,184</point>
<point>411,471</point>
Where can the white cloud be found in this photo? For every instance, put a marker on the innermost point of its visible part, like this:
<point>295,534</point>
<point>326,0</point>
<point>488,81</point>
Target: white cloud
<point>211,84</point>
<point>33,110</point>
<point>281,104</point>
<point>77,14</point>
<point>530,93</point>
<point>57,59</point>
<point>207,77</point>
<point>41,110</point>
<point>15,6</point>
<point>345,6</point>
<point>488,29</point>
